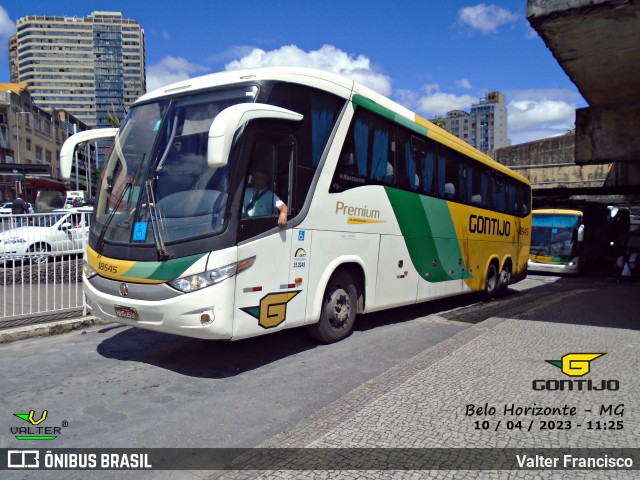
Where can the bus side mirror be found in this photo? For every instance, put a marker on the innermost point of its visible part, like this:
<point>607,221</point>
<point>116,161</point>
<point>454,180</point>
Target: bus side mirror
<point>70,144</point>
<point>581,233</point>
<point>228,121</point>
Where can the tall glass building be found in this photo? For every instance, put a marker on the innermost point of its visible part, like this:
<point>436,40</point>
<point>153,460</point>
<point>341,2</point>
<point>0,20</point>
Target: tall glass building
<point>89,66</point>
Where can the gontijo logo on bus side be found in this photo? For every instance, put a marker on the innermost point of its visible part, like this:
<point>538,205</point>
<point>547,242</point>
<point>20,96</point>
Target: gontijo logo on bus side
<point>272,310</point>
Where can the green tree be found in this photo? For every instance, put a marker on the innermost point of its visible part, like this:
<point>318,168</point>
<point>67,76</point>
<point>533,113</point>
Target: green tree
<point>112,116</point>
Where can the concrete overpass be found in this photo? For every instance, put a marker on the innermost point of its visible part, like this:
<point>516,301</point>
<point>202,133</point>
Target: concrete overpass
<point>597,43</point>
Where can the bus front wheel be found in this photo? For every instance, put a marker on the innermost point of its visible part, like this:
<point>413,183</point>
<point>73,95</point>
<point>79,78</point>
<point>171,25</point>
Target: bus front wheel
<point>338,313</point>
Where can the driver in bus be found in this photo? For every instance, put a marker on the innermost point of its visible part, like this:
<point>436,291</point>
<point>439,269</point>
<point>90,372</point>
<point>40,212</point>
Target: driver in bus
<point>261,201</point>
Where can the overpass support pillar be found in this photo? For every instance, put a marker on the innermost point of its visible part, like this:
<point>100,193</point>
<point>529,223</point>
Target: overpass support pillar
<point>608,133</point>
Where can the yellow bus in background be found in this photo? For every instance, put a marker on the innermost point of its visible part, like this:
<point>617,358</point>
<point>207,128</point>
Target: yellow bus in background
<point>572,241</point>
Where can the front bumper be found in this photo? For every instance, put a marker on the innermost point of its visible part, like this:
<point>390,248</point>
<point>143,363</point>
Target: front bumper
<point>163,309</point>
<point>571,268</point>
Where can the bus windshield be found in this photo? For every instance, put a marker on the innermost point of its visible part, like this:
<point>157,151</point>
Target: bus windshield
<point>157,186</point>
<point>555,236</point>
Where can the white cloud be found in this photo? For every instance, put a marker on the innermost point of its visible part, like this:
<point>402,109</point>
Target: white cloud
<point>486,18</point>
<point>464,83</point>
<point>327,58</point>
<point>539,118</point>
<point>406,97</point>
<point>440,103</point>
<point>523,114</point>
<point>541,113</point>
<point>7,26</point>
<point>433,102</point>
<point>170,70</point>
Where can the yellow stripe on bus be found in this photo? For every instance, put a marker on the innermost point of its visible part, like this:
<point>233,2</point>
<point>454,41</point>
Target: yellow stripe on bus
<point>114,269</point>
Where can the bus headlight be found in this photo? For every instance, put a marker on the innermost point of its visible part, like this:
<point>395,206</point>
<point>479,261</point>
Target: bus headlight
<point>191,283</point>
<point>87,270</point>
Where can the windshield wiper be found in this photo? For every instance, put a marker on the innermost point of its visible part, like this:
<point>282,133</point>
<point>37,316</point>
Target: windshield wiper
<point>161,250</point>
<point>100,244</point>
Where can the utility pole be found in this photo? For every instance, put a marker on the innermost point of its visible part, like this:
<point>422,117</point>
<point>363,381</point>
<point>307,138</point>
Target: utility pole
<point>22,183</point>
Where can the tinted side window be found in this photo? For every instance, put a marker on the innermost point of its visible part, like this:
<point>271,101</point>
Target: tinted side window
<point>320,111</point>
<point>369,153</point>
<point>450,181</point>
<point>415,162</point>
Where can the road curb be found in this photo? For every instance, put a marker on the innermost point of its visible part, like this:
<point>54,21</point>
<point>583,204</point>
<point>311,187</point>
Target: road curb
<point>46,329</point>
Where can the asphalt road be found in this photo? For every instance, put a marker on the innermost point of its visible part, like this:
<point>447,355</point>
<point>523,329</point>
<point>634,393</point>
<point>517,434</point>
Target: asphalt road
<point>117,386</point>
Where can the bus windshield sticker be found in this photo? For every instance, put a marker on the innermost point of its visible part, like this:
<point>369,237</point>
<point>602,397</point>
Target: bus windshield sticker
<point>140,231</point>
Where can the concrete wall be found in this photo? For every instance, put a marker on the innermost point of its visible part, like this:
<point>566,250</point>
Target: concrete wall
<point>550,163</point>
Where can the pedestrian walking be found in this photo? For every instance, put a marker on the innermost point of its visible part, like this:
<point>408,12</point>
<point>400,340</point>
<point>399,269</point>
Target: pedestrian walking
<point>19,207</point>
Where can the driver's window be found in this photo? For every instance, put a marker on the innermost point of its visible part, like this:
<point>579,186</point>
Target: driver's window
<point>267,185</point>
<point>260,198</point>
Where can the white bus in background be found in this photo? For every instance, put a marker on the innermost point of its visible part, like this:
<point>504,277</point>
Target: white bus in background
<point>384,209</point>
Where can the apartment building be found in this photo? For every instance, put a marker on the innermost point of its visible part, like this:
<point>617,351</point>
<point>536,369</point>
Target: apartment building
<point>485,127</point>
<point>88,66</point>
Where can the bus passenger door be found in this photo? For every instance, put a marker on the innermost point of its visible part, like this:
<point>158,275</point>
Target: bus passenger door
<point>265,294</point>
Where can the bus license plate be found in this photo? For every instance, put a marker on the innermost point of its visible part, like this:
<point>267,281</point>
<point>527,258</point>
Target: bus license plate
<point>126,312</point>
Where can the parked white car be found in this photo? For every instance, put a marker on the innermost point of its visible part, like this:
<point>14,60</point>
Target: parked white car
<point>5,209</point>
<point>47,235</point>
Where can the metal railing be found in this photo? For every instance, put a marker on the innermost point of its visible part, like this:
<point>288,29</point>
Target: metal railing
<point>41,263</point>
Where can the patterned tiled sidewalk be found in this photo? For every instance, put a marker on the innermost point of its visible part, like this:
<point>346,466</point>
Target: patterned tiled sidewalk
<point>422,403</point>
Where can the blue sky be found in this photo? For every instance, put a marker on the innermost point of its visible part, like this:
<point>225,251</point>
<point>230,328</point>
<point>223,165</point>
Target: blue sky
<point>431,56</point>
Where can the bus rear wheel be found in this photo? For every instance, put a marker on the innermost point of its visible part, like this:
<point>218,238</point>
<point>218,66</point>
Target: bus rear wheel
<point>491,283</point>
<point>339,307</point>
<point>503,281</point>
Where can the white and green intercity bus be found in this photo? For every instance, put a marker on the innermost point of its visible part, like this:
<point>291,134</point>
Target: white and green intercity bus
<point>246,202</point>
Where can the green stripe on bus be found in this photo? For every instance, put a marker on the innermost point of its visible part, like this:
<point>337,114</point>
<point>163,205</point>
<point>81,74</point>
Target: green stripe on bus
<point>430,238</point>
<point>391,115</point>
<point>168,270</point>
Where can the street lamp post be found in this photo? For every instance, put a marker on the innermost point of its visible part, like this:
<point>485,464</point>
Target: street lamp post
<point>23,185</point>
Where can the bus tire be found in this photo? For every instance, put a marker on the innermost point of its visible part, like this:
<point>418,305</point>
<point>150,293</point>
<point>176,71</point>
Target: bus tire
<point>339,306</point>
<point>491,282</point>
<point>504,279</point>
